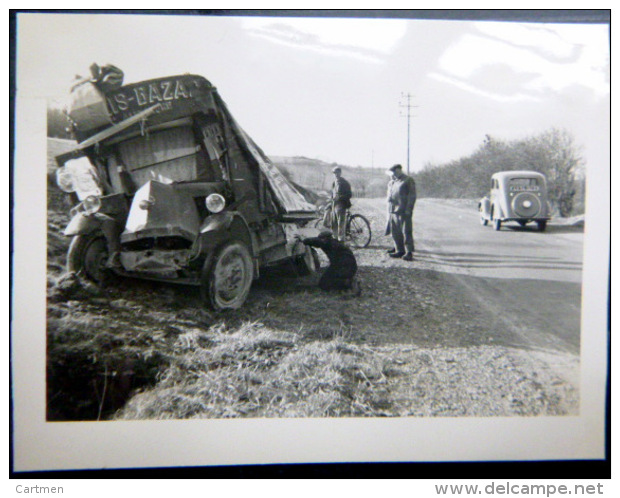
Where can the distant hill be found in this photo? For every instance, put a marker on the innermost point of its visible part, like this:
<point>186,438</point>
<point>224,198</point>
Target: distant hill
<point>316,175</point>
<point>55,147</point>
<point>312,176</point>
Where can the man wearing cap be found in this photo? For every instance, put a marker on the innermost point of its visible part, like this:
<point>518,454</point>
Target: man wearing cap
<point>340,274</point>
<point>341,201</point>
<point>401,201</point>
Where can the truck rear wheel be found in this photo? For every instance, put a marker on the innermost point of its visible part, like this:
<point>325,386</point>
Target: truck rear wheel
<point>227,277</point>
<point>308,263</point>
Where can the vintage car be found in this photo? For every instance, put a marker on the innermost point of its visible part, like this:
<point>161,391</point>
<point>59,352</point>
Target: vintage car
<point>167,186</point>
<point>519,196</point>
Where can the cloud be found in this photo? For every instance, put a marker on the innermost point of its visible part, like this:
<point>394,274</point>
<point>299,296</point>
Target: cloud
<point>540,38</point>
<point>482,92</point>
<point>526,62</point>
<point>369,40</point>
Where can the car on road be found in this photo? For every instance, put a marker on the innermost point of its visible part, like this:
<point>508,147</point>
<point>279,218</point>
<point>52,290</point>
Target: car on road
<point>519,196</point>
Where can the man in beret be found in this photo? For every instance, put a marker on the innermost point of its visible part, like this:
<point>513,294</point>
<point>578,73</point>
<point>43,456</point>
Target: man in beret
<point>341,201</point>
<point>401,201</point>
<point>340,274</point>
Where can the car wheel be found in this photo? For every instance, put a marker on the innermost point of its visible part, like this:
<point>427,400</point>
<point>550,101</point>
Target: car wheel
<point>542,225</point>
<point>87,256</point>
<point>483,221</point>
<point>227,277</point>
<point>497,223</point>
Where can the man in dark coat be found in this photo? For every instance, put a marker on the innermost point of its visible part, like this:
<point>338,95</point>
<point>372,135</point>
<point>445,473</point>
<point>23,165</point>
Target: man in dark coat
<point>340,274</point>
<point>341,201</point>
<point>401,201</point>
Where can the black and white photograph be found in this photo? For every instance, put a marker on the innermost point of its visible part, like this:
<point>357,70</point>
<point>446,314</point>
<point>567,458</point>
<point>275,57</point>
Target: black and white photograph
<point>274,237</point>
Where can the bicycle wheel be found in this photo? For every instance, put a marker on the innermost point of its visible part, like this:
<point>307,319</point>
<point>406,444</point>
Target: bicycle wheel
<point>358,231</point>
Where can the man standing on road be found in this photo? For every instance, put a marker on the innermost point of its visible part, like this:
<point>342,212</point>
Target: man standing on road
<point>341,201</point>
<point>401,201</point>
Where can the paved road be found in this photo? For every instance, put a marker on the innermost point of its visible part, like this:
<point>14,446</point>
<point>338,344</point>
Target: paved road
<point>525,281</point>
<point>453,236</point>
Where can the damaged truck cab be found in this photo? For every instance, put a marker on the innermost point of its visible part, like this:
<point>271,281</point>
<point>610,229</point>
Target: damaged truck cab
<point>169,187</point>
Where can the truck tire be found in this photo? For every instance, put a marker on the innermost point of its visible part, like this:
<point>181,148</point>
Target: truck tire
<point>87,256</point>
<point>308,263</point>
<point>227,276</point>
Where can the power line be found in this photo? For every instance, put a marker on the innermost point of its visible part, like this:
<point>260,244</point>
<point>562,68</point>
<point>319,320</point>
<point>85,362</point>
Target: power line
<point>408,106</point>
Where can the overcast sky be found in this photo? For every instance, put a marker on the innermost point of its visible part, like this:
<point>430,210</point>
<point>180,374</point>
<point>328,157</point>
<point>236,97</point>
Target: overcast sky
<point>336,89</point>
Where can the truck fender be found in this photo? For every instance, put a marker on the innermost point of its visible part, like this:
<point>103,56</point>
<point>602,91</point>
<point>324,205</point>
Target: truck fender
<point>220,221</point>
<point>82,224</point>
<point>224,221</point>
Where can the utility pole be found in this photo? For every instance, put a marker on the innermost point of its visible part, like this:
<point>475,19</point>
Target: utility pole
<point>408,106</point>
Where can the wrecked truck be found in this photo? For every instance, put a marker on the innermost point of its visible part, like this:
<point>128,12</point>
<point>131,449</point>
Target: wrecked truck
<point>167,186</point>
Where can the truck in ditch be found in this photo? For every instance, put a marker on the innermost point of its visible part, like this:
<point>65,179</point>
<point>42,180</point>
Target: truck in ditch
<point>167,186</point>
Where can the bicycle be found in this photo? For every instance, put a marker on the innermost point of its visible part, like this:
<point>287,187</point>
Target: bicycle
<point>357,228</point>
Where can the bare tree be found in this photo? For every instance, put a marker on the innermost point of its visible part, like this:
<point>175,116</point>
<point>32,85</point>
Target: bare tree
<point>58,123</point>
<point>560,160</point>
<point>552,153</point>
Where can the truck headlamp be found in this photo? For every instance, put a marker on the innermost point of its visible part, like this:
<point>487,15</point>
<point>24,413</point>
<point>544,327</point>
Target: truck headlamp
<point>88,206</point>
<point>215,203</point>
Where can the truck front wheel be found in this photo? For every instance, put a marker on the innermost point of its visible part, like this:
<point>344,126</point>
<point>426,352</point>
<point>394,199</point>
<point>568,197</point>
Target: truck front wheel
<point>227,277</point>
<point>87,256</point>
